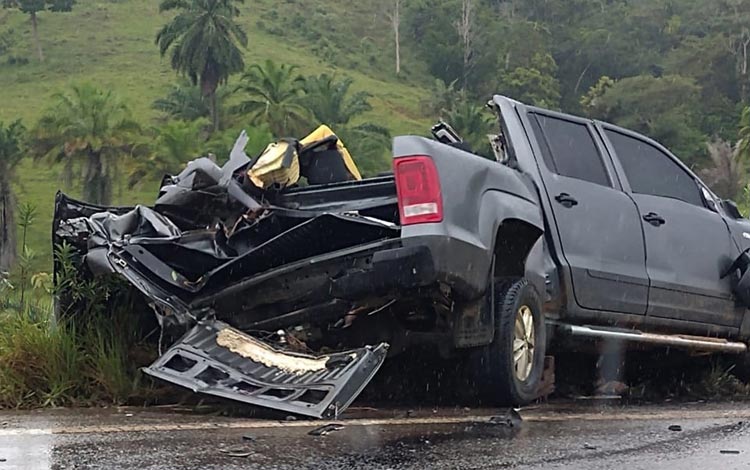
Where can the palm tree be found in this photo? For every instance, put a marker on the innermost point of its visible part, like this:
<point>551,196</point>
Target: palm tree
<point>176,143</point>
<point>90,129</point>
<point>205,41</point>
<point>183,101</point>
<point>273,94</point>
<point>472,124</point>
<point>11,154</point>
<point>329,100</point>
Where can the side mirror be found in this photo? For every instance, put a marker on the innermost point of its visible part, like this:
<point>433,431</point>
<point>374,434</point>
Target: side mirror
<point>730,207</point>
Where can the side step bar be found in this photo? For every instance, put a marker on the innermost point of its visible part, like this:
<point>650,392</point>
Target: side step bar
<point>693,343</point>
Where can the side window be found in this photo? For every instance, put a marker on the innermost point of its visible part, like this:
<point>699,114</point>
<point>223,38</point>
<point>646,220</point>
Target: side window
<point>568,149</point>
<point>651,171</point>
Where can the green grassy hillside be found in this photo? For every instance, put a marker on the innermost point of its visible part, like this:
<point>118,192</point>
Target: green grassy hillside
<point>111,44</point>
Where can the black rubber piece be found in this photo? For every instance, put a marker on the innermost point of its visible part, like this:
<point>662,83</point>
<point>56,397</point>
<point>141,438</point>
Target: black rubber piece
<point>741,368</point>
<point>493,366</point>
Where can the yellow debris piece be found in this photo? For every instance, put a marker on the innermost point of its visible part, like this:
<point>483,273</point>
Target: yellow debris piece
<point>278,164</point>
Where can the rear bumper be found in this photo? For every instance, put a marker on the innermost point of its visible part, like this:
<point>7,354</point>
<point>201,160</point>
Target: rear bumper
<point>327,285</point>
<point>323,288</point>
<point>418,262</point>
<point>458,263</point>
<point>394,269</point>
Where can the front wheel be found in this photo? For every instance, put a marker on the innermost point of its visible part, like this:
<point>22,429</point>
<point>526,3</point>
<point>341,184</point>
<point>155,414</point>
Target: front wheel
<point>509,370</point>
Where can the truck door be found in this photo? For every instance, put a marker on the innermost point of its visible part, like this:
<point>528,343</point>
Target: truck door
<point>688,244</point>
<point>598,224</point>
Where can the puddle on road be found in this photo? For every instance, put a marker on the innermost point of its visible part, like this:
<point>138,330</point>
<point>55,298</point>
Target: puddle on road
<point>26,452</point>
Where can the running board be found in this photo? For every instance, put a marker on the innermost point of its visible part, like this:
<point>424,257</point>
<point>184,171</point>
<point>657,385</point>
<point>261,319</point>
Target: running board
<point>694,343</point>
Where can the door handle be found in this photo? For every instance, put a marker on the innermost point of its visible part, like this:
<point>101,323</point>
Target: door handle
<point>654,219</point>
<point>566,200</point>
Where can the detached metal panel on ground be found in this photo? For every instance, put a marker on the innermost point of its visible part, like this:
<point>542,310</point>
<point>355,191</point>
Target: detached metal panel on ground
<point>256,374</point>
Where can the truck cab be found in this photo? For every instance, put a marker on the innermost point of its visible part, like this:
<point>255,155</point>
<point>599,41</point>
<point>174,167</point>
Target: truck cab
<point>639,250</point>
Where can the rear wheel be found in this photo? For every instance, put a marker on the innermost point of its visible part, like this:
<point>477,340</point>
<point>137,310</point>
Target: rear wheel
<point>509,370</point>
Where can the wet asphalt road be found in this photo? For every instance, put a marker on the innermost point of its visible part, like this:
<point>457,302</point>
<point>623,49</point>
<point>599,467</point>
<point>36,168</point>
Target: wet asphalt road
<point>559,436</point>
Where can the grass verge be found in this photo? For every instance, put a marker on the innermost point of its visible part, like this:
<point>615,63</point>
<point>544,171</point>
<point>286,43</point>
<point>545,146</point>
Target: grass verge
<point>45,363</point>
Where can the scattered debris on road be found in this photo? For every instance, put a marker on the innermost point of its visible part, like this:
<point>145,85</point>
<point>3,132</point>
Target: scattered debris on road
<point>588,446</point>
<point>612,388</point>
<point>675,427</point>
<point>239,452</point>
<point>511,419</point>
<point>241,455</point>
<point>326,429</point>
<point>729,452</point>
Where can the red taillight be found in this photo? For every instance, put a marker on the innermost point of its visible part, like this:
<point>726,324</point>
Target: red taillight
<point>418,188</point>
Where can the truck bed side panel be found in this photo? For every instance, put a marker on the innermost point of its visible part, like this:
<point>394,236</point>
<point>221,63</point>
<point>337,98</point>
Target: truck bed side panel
<point>479,195</point>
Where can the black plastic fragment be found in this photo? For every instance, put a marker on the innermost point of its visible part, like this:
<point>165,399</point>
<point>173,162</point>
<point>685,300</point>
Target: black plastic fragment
<point>326,429</point>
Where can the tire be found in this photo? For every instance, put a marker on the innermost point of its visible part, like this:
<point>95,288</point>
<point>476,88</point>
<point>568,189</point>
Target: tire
<point>501,380</point>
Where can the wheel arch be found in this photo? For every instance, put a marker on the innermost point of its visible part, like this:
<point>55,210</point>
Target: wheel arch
<point>514,240</point>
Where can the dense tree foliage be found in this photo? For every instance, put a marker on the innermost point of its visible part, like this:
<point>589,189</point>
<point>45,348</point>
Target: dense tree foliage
<point>677,70</point>
<point>665,108</point>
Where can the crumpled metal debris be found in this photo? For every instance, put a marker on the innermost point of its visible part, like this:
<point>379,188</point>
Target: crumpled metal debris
<point>326,429</point>
<point>261,376</point>
<point>239,452</point>
<point>218,231</point>
<point>511,419</point>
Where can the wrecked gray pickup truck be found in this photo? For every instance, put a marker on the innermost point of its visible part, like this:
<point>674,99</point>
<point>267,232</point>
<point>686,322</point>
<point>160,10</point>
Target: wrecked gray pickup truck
<point>367,267</point>
<point>500,262</point>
